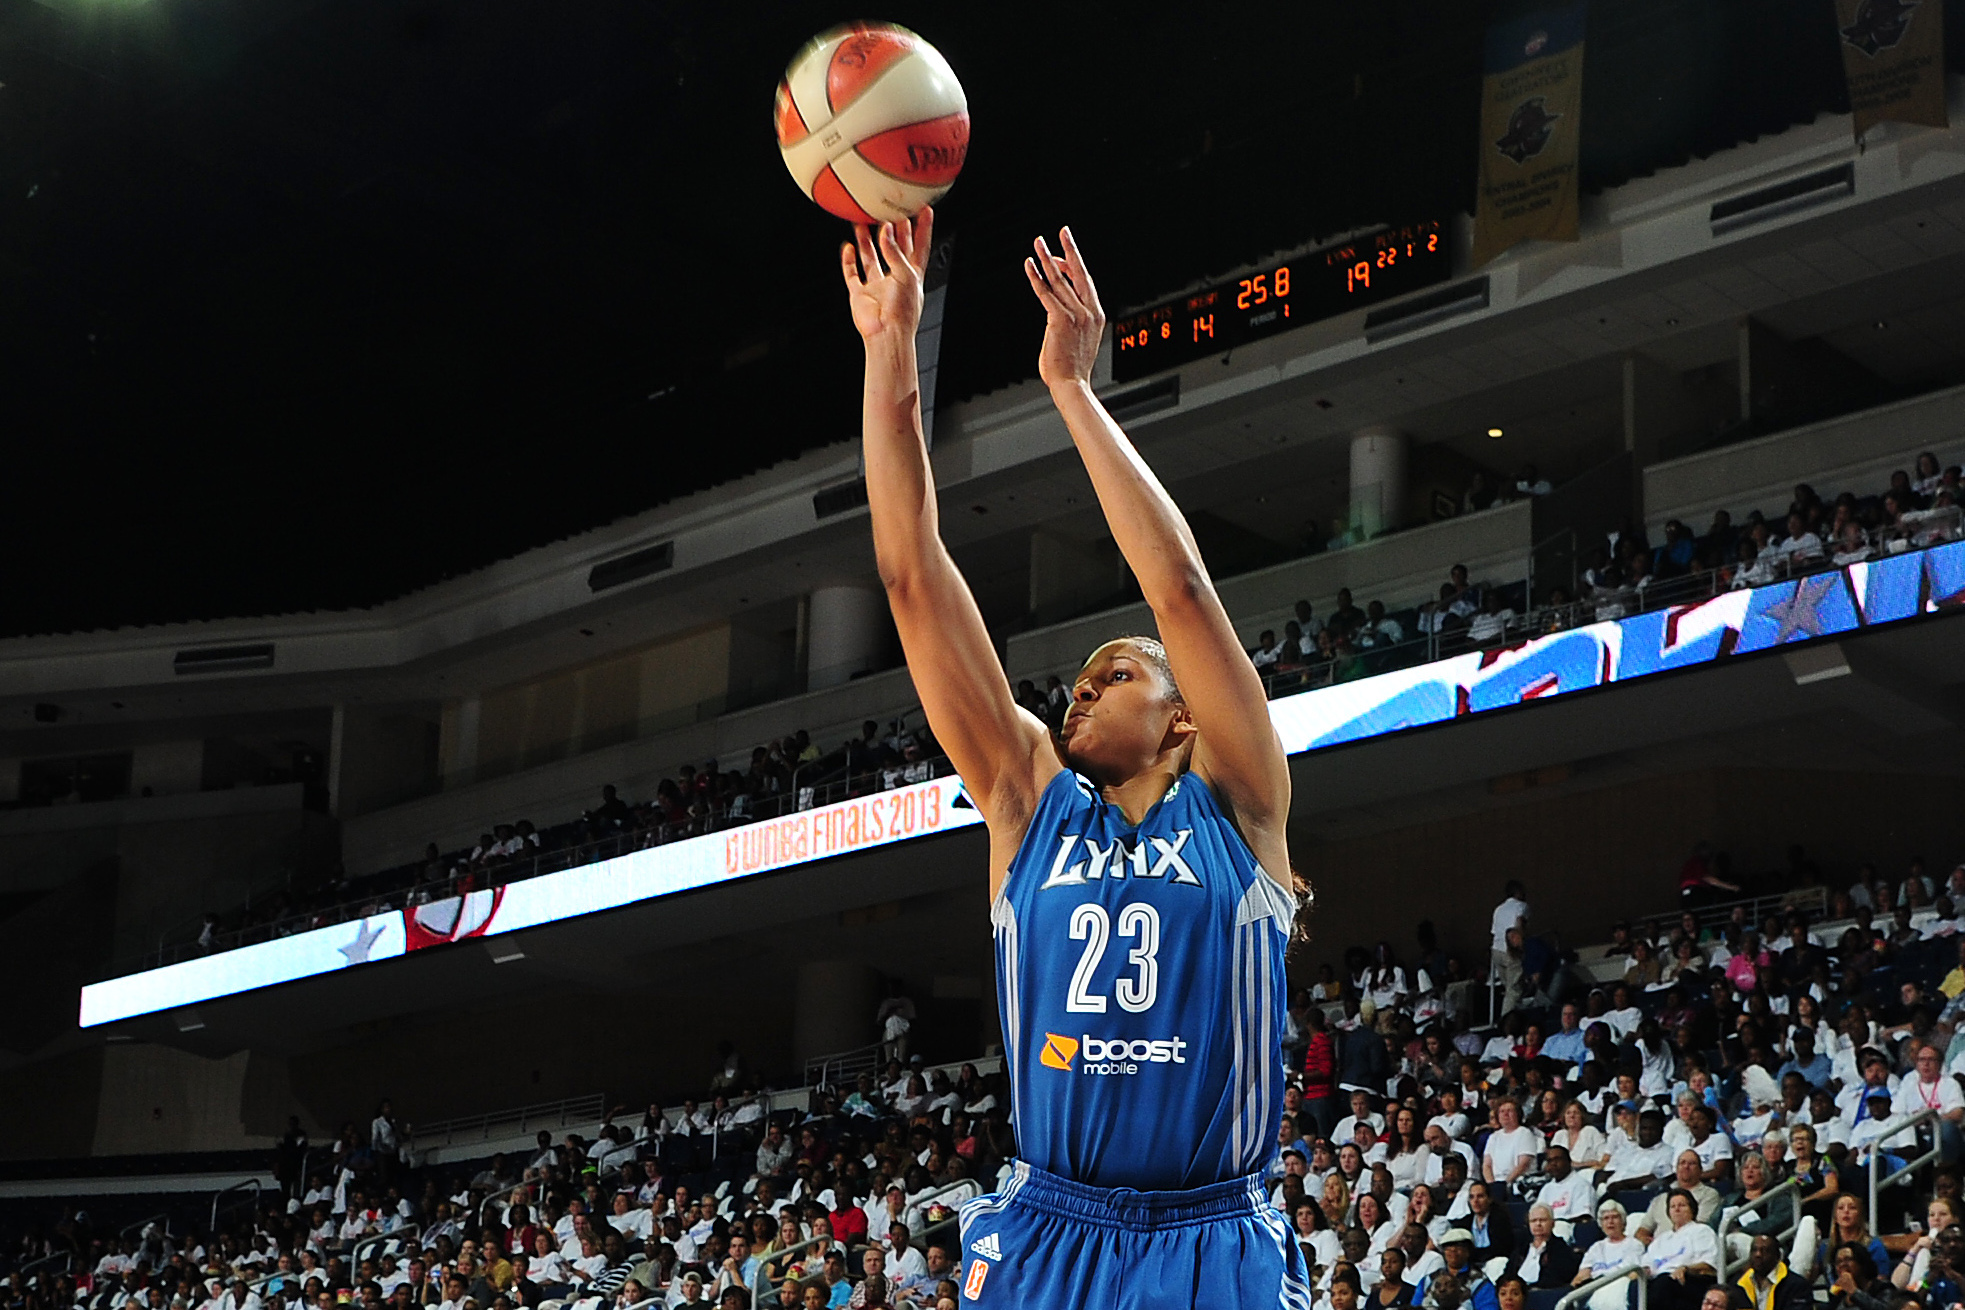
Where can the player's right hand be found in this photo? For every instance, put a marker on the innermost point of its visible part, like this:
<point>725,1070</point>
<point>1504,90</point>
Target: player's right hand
<point>886,302</point>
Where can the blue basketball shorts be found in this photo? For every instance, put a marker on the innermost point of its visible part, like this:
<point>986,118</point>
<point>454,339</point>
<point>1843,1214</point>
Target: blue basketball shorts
<point>1046,1243</point>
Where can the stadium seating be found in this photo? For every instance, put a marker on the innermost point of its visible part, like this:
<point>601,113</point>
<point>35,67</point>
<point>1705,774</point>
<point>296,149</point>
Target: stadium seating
<point>1885,953</point>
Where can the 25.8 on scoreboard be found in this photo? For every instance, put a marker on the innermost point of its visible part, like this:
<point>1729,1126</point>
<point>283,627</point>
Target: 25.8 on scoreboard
<point>1284,295</point>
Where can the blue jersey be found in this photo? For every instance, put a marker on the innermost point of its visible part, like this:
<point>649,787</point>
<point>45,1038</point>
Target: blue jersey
<point>1140,976</point>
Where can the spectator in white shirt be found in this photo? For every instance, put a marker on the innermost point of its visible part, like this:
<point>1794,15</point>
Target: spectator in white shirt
<point>1511,913</point>
<point>1931,1089</point>
<point>1346,1128</point>
<point>1512,1150</point>
<point>1568,1193</point>
<point>1800,547</point>
<point>1686,1256</point>
<point>630,1219</point>
<point>1488,627</point>
<point>1451,1117</point>
<point>1439,1147</point>
<point>1580,1140</point>
<point>1642,1162</point>
<point>1615,1249</point>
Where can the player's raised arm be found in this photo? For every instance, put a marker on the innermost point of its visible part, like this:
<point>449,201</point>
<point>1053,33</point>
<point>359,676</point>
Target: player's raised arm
<point>1237,748</point>
<point>1003,752</point>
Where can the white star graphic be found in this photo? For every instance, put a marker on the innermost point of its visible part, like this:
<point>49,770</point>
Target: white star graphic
<point>358,949</point>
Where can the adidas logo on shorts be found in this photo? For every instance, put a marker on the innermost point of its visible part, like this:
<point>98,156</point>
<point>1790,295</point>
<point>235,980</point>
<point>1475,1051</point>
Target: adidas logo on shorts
<point>989,1247</point>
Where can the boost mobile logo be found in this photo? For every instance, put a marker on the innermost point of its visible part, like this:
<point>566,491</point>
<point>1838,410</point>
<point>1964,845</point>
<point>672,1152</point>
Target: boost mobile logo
<point>1058,1052</point>
<point>1110,1055</point>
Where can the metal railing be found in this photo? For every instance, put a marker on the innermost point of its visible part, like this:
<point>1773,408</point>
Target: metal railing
<point>518,1120</point>
<point>1589,1289</point>
<point>33,1268</point>
<point>835,1069</point>
<point>137,1227</point>
<point>219,1201</point>
<point>1731,1219</point>
<point>365,1248</point>
<point>1805,899</point>
<point>1894,1127</point>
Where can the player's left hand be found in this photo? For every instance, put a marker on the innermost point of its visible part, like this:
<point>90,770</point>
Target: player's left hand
<point>1074,320</point>
<point>885,292</point>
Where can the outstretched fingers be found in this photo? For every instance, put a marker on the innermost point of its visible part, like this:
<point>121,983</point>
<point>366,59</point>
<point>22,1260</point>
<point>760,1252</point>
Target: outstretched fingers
<point>849,266</point>
<point>1081,277</point>
<point>924,236</point>
<point>1043,290</point>
<point>890,246</point>
<point>869,262</point>
<point>1060,282</point>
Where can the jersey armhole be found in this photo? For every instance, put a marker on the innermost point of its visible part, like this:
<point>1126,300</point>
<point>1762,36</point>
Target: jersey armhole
<point>1064,777</point>
<point>1287,885</point>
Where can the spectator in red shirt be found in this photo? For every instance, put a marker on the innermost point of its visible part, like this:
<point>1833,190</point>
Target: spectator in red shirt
<point>1319,1071</point>
<point>849,1222</point>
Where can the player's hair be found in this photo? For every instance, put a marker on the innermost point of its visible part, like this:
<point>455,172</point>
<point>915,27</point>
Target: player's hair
<point>1156,655</point>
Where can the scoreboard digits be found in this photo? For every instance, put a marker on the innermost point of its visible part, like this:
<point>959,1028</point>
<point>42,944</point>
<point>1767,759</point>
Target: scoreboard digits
<point>1320,285</point>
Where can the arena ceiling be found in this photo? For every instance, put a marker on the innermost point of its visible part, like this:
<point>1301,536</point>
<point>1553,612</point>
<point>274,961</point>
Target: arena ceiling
<point>303,306</point>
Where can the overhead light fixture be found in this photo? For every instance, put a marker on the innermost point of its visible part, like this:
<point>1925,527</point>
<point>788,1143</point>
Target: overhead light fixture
<point>1494,432</point>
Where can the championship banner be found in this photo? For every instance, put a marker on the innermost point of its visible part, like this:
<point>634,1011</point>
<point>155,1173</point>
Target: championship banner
<point>1531,120</point>
<point>1893,57</point>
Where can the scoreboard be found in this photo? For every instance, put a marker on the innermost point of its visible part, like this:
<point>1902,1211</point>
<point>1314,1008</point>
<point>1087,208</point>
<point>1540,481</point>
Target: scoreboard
<point>1284,295</point>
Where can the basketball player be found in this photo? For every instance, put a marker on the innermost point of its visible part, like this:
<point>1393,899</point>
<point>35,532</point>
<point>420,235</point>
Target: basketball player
<point>1137,863</point>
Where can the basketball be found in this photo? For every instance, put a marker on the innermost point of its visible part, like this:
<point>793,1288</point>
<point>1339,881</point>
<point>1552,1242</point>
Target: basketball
<point>872,122</point>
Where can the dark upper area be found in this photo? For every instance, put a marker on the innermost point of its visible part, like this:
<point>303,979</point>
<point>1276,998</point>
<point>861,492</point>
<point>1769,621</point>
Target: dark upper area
<point>305,306</point>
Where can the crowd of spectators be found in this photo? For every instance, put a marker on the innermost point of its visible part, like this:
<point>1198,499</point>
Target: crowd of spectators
<point>786,774</point>
<point>1618,1115</point>
<point>1355,643</point>
<point>849,1203</point>
<point>1628,573</point>
<point>1486,1137</point>
<point>1625,574</point>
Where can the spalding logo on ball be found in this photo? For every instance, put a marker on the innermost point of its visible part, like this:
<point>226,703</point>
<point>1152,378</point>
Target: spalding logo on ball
<point>872,123</point>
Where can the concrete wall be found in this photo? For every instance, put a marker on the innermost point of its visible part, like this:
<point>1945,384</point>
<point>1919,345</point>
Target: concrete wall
<point>167,768</point>
<point>384,755</point>
<point>1856,453</point>
<point>172,873</point>
<point>168,858</point>
<point>48,1109</point>
<point>155,1099</point>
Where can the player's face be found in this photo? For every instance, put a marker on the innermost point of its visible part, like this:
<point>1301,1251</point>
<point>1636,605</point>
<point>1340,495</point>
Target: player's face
<point>1122,717</point>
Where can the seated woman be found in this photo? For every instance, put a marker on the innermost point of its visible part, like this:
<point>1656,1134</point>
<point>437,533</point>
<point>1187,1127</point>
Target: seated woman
<point>1645,967</point>
<point>1779,1216</point>
<point>1493,1232</point>
<point>1541,1259</point>
<point>1848,1227</point>
<point>1683,1262</point>
<point>1855,1285</point>
<point>1940,1214</point>
<point>1816,1176</point>
<point>1615,1249</point>
<point>1392,1290</point>
<point>1318,1240</point>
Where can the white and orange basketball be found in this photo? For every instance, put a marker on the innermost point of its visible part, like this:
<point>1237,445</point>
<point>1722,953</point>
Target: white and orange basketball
<point>872,123</point>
